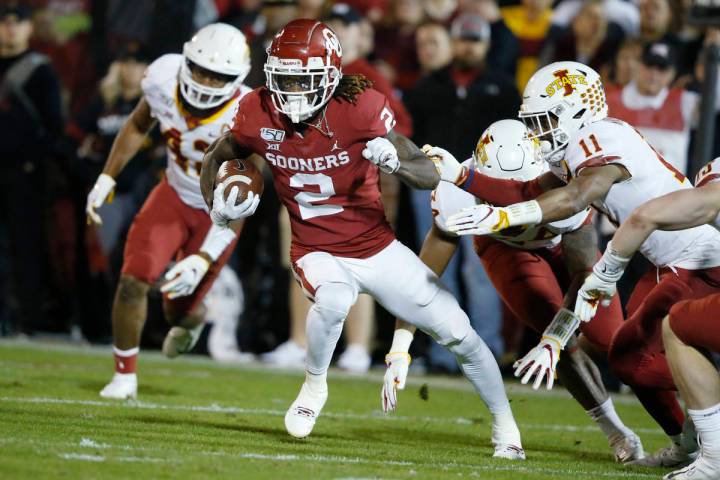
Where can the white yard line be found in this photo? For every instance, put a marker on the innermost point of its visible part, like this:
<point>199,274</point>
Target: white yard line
<point>214,408</point>
<point>516,467</point>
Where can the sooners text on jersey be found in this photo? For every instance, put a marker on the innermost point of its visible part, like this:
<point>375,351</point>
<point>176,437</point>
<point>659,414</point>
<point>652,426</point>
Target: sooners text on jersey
<point>331,192</point>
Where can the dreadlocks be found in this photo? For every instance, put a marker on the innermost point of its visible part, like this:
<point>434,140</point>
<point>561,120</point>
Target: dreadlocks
<point>351,86</point>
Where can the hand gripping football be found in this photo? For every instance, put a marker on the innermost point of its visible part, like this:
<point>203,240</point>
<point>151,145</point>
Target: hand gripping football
<point>241,174</point>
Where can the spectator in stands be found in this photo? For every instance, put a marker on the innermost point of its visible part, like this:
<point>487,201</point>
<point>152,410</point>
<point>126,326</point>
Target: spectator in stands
<point>440,11</point>
<point>94,131</point>
<point>592,40</point>
<point>451,107</point>
<point>504,46</point>
<point>627,59</point>
<point>664,115</point>
<point>30,127</point>
<point>395,42</point>
<point>621,13</point>
<point>434,48</point>
<point>274,14</point>
<point>530,23</point>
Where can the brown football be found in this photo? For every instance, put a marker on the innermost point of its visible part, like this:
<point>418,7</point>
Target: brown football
<point>242,174</point>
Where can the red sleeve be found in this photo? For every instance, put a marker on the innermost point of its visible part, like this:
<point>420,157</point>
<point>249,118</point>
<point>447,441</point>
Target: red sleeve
<point>378,115</point>
<point>499,191</point>
<point>241,122</point>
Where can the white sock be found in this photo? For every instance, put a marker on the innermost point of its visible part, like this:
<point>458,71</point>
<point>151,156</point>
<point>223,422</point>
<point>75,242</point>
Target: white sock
<point>609,421</point>
<point>505,430</point>
<point>707,424</point>
<point>316,382</point>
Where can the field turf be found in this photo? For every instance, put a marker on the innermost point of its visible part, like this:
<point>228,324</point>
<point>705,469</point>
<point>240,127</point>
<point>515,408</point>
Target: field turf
<point>198,419</point>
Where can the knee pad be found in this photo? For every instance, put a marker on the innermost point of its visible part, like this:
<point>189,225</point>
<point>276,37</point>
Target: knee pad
<point>333,301</point>
<point>459,338</point>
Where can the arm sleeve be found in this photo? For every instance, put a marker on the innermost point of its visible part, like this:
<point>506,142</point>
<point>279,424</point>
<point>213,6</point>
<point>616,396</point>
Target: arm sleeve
<point>377,114</point>
<point>498,191</point>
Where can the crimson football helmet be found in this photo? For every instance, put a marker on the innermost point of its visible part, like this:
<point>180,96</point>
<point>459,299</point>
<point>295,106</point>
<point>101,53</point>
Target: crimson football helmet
<point>303,68</point>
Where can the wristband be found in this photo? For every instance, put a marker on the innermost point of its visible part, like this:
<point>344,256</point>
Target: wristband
<point>402,339</point>
<point>216,241</point>
<point>525,213</point>
<point>562,327</point>
<point>611,266</point>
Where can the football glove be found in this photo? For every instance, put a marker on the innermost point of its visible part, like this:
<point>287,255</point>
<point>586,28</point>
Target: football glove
<point>184,277</point>
<point>225,211</point>
<point>448,167</point>
<point>542,360</point>
<point>382,153</point>
<point>395,377</point>
<point>486,219</point>
<point>101,192</point>
<point>600,286</point>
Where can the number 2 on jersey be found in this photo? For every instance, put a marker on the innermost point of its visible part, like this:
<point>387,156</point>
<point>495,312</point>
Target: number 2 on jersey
<point>305,200</point>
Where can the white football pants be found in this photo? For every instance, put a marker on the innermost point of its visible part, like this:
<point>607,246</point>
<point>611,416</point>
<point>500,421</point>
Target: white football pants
<point>408,289</point>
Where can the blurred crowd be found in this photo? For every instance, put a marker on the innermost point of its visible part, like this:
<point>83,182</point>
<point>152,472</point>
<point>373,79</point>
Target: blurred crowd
<point>71,72</point>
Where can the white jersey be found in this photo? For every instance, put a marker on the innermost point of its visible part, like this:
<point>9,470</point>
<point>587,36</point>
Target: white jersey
<point>187,137</point>
<point>612,141</point>
<point>448,199</point>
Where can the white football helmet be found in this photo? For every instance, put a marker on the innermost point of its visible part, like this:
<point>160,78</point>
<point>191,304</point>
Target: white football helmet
<point>505,150</point>
<point>221,49</point>
<point>558,100</point>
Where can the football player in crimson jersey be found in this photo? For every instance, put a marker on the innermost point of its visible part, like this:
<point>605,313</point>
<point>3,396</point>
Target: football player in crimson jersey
<point>313,126</point>
<point>605,163</point>
<point>531,268</point>
<point>194,97</point>
<point>691,329</point>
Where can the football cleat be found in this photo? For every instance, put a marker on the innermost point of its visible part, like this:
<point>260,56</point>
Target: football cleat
<point>123,386</point>
<point>509,452</point>
<point>673,456</point>
<point>287,355</point>
<point>304,411</point>
<point>355,359</point>
<point>628,448</point>
<point>181,340</point>
<point>700,469</point>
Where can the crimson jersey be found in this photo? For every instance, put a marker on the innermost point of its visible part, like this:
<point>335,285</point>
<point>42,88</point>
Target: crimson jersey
<point>331,192</point>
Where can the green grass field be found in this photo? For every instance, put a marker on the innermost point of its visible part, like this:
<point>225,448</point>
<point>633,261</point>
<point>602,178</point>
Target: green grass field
<point>198,419</point>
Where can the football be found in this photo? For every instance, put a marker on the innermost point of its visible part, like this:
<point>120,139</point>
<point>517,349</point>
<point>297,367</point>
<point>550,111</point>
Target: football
<point>242,174</point>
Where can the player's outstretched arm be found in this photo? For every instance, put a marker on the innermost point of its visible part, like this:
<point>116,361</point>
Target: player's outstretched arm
<point>558,204</point>
<point>127,143</point>
<point>675,211</point>
<point>223,149</point>
<point>436,252</point>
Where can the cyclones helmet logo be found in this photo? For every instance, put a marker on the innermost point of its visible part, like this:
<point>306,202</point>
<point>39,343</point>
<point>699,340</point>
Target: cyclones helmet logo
<point>480,153</point>
<point>332,44</point>
<point>564,81</point>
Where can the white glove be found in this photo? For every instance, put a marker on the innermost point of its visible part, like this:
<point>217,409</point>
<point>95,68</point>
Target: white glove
<point>446,164</point>
<point>540,361</point>
<point>101,191</point>
<point>184,277</point>
<point>395,376</point>
<point>486,219</point>
<point>225,211</point>
<point>600,285</point>
<point>382,153</point>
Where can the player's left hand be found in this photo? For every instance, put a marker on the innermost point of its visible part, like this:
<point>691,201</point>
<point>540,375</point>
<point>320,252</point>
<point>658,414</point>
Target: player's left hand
<point>225,211</point>
<point>596,290</point>
<point>382,153</point>
<point>478,220</point>
<point>184,277</point>
<point>541,361</point>
<point>395,376</point>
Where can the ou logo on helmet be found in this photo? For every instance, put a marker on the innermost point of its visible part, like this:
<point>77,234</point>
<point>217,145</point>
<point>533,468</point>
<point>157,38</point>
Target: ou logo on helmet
<point>332,44</point>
